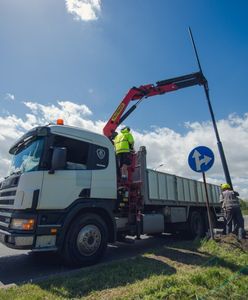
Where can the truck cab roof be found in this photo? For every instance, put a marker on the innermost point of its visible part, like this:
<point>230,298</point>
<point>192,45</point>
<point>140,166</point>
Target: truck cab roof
<point>64,130</point>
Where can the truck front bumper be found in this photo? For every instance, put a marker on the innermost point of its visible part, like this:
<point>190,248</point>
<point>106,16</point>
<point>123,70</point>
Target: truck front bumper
<point>42,237</point>
<point>28,241</point>
<point>15,240</point>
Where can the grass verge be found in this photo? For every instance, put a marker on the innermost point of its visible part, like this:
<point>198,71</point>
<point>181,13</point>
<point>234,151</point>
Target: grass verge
<point>183,270</point>
<point>245,212</point>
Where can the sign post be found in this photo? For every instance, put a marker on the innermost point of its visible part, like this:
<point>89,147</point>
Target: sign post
<point>200,160</point>
<point>208,209</point>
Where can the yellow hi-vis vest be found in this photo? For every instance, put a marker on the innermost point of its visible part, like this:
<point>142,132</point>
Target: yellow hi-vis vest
<point>123,141</point>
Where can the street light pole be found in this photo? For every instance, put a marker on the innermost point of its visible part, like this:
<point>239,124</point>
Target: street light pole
<point>161,165</point>
<point>219,144</point>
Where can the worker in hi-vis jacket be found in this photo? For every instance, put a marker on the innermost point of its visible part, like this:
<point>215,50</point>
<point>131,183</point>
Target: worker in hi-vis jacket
<point>124,143</point>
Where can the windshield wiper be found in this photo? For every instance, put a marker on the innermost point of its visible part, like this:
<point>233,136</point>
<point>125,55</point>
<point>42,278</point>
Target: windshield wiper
<point>17,172</point>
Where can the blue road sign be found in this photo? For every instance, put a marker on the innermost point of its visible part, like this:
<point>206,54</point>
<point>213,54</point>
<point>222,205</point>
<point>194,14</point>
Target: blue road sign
<point>201,159</point>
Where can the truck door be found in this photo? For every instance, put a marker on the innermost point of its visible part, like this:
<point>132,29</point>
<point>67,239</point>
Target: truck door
<point>63,187</point>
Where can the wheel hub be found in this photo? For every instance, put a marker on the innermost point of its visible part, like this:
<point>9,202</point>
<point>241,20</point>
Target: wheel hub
<point>89,240</point>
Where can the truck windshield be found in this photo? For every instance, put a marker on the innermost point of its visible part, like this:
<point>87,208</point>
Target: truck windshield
<point>27,156</point>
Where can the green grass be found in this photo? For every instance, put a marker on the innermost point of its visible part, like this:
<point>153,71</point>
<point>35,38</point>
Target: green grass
<point>245,211</point>
<point>244,206</point>
<point>183,270</point>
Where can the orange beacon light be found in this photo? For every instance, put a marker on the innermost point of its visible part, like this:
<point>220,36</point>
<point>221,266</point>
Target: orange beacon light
<point>60,122</point>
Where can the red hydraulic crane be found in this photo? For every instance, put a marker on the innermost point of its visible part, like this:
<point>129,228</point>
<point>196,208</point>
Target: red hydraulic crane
<point>134,201</point>
<point>149,90</point>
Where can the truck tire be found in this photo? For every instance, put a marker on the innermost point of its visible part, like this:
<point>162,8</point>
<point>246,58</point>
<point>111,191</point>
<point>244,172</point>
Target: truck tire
<point>196,225</point>
<point>86,241</point>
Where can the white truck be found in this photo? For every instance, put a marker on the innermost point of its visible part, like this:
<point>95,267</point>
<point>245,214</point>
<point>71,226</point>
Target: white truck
<point>63,192</point>
<point>62,195</point>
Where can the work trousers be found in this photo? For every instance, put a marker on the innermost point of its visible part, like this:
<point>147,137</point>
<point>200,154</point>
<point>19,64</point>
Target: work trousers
<point>234,216</point>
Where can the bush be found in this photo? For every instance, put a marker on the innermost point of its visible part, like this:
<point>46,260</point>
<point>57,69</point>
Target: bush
<point>244,204</point>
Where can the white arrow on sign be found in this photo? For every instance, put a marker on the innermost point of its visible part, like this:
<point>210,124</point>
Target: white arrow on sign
<point>198,162</point>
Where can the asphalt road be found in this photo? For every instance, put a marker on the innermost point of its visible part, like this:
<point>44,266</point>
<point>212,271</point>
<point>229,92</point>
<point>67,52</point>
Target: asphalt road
<point>18,266</point>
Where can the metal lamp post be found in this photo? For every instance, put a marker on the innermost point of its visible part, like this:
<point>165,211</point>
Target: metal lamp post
<point>206,89</point>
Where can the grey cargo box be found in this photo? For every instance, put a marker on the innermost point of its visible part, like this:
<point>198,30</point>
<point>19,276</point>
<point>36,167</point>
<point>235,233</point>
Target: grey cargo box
<point>167,188</point>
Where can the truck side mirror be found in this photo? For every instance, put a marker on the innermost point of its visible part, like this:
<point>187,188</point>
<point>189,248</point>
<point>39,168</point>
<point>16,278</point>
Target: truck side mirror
<point>58,159</point>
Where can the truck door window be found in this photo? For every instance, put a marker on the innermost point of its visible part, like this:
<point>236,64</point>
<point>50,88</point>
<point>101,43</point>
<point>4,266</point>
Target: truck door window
<point>82,155</point>
<point>77,152</point>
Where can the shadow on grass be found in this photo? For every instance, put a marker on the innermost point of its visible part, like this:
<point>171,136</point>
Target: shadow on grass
<point>198,259</point>
<point>120,273</point>
<point>98,278</point>
<point>187,253</point>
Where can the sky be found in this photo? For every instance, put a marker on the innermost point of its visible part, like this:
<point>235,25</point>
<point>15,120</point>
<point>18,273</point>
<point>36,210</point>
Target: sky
<point>76,60</point>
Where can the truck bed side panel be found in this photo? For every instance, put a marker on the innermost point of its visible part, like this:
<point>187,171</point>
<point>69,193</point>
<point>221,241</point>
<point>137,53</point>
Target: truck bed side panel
<point>165,188</point>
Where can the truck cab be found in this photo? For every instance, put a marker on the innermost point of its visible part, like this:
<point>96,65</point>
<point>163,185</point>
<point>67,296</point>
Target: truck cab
<point>56,172</point>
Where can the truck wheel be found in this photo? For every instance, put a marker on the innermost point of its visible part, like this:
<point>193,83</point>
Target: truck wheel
<point>196,224</point>
<point>86,241</point>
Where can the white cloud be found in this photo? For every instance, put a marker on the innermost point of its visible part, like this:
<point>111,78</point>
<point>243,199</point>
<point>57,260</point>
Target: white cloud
<point>65,109</point>
<point>164,145</point>
<point>9,96</point>
<point>84,10</point>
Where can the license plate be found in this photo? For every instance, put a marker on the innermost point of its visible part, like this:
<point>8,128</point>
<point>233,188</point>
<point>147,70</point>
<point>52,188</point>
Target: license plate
<point>2,238</point>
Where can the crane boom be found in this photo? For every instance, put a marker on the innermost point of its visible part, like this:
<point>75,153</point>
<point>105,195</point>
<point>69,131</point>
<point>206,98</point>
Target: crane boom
<point>149,90</point>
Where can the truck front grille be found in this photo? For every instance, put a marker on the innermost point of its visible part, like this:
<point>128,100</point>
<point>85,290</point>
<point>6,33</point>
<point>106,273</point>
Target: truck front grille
<point>4,219</point>
<point>9,193</point>
<point>8,190</point>
<point>7,197</point>
<point>7,201</point>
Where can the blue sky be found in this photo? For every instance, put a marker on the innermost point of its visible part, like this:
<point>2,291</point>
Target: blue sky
<point>48,54</point>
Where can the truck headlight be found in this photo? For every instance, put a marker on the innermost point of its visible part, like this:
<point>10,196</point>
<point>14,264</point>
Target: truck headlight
<point>22,224</point>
